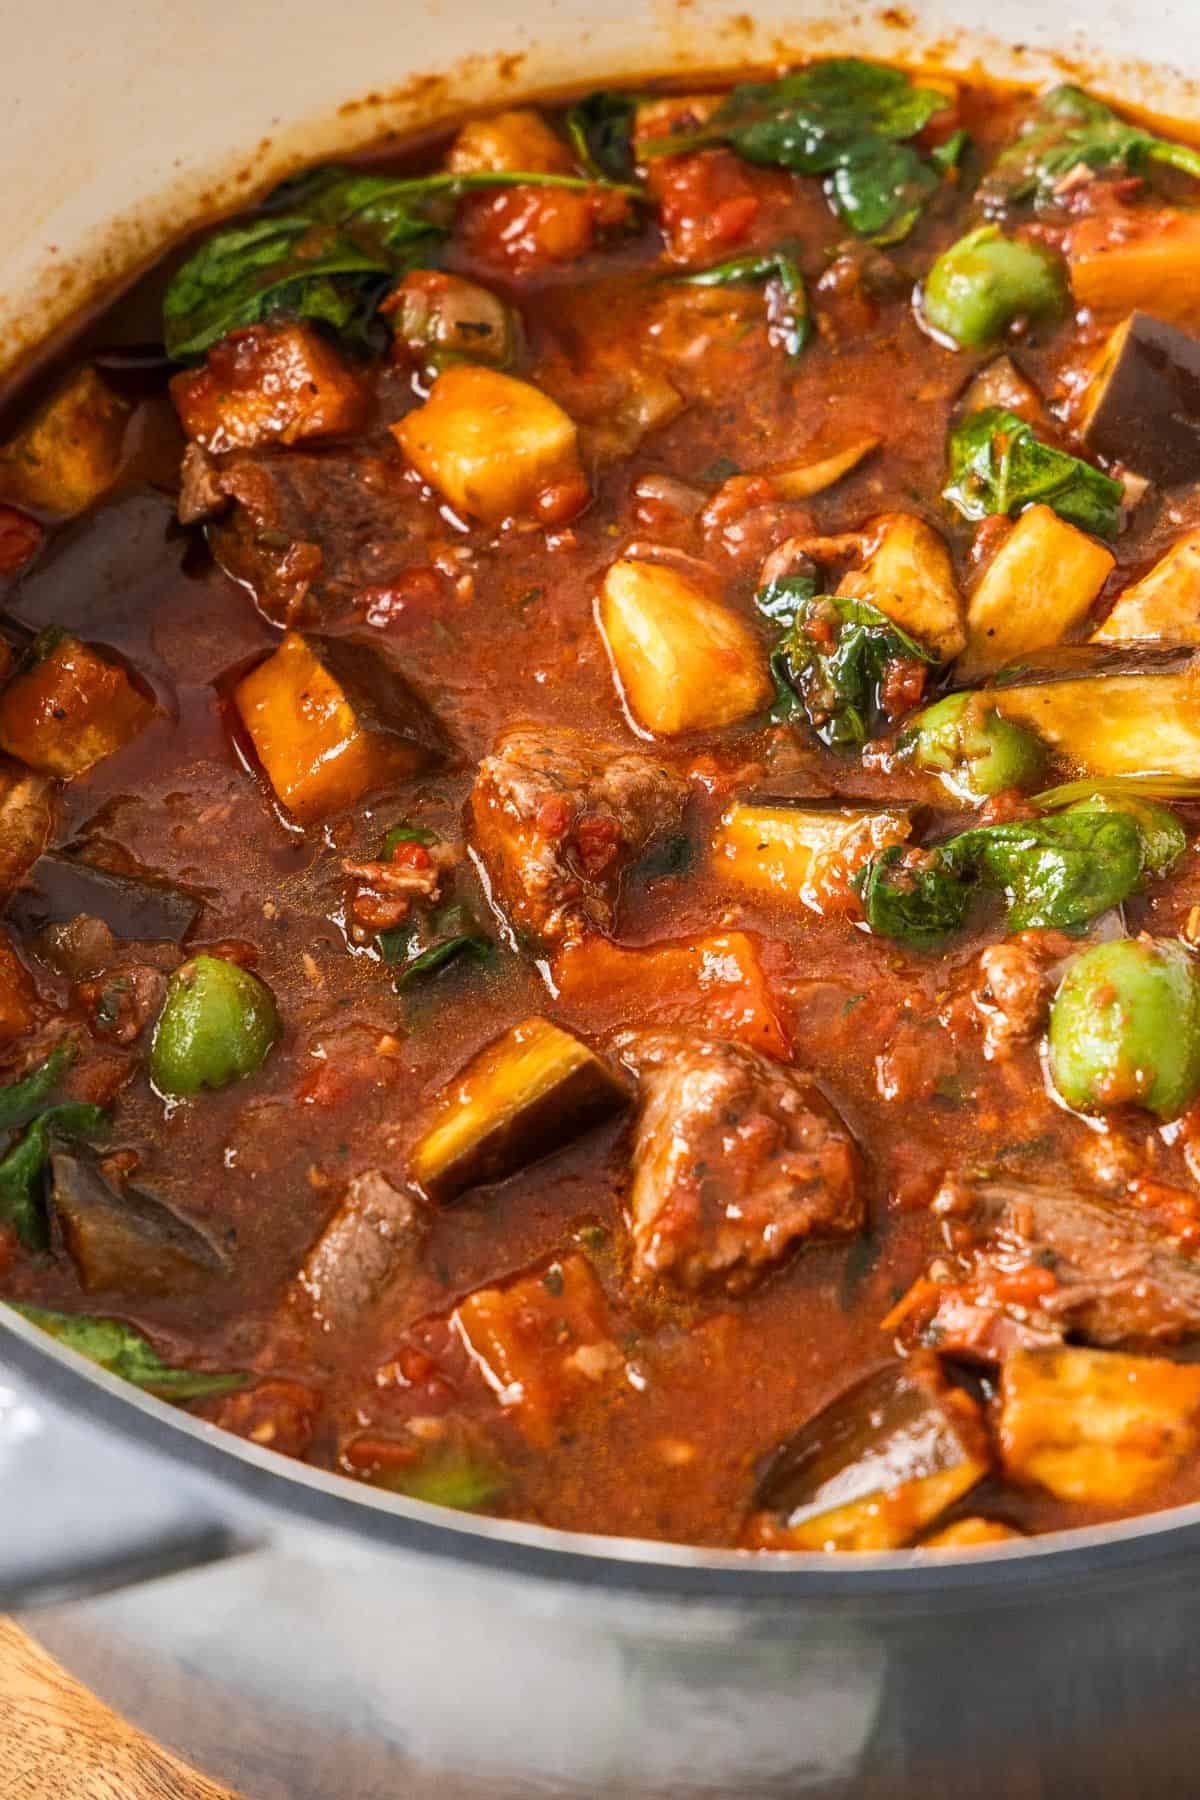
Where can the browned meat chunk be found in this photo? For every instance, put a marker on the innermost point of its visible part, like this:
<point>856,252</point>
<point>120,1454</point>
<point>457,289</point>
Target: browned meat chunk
<point>373,1235</point>
<point>1029,1266</point>
<point>557,818</point>
<point>306,531</point>
<point>121,1002</point>
<point>737,1158</point>
<point>268,384</point>
<point>1012,991</point>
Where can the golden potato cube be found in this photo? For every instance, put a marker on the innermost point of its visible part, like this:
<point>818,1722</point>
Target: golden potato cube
<point>1097,1426</point>
<point>67,707</point>
<point>70,451</point>
<point>683,661</point>
<point>519,142</point>
<point>1039,584</point>
<point>1165,603</point>
<point>329,720</point>
<point>972,1533</point>
<point>494,447</point>
<point>909,576</point>
<point>805,854</point>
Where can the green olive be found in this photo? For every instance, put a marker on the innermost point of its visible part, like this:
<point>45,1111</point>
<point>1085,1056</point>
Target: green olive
<point>982,283</point>
<point>217,1024</point>
<point>1125,1028</point>
<point>973,748</point>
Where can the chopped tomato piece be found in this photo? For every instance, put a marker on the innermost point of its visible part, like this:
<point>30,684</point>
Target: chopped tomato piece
<point>524,229</point>
<point>708,203</point>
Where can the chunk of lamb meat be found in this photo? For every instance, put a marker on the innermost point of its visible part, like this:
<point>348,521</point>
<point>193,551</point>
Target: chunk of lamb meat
<point>374,1235</point>
<point>305,531</point>
<point>557,818</point>
<point>736,1160</point>
<point>1029,1266</point>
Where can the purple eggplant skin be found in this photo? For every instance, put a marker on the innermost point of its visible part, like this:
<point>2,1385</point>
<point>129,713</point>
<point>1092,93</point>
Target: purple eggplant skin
<point>1142,407</point>
<point>60,886</point>
<point>126,1241</point>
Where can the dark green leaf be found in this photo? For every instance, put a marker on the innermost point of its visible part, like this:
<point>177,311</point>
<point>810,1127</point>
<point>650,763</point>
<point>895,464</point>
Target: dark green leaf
<point>781,600</point>
<point>600,128</point>
<point>1069,129</point>
<point>834,659</point>
<point>428,944</point>
<point>23,1167</point>
<point>1060,872</point>
<point>787,299</point>
<point>998,464</point>
<point>404,833</point>
<point>23,1099</point>
<point>949,155</point>
<point>917,899</point>
<point>843,118</point>
<point>125,1352</point>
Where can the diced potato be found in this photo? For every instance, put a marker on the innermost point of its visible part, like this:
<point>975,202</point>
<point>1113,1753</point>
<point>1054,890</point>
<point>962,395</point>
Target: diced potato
<point>1156,268</point>
<point>1096,1426</point>
<point>909,576</point>
<point>803,853</point>
<point>26,818</point>
<point>494,447</point>
<point>540,1341</point>
<point>521,1097</point>
<point>1165,603</point>
<point>70,451</point>
<point>684,662</point>
<point>876,1467</point>
<point>519,142</point>
<point>68,707</point>
<point>970,1534</point>
<point>329,720</point>
<point>715,984</point>
<point>1115,724</point>
<point>1039,584</point>
<point>18,997</point>
<point>269,384</point>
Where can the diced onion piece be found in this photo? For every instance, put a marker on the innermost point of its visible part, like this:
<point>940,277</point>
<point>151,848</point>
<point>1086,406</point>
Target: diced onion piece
<point>801,480</point>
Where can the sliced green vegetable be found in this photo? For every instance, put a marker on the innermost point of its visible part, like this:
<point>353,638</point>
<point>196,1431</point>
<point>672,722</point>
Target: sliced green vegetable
<point>23,1099</point>
<point>449,1474</point>
<point>600,128</point>
<point>217,1024</point>
<point>974,750</point>
<point>982,283</point>
<point>842,118</point>
<point>125,1352</point>
<point>344,238</point>
<point>787,300</point>
<point>998,464</point>
<point>1069,129</point>
<point>833,660</point>
<point>23,1167</point>
<point>428,944</point>
<point>1125,1028</point>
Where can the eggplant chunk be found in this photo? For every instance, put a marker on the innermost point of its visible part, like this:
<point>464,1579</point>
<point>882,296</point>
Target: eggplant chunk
<point>541,1341</point>
<point>331,719</point>
<point>61,887</point>
<point>804,853</point>
<point>875,1468</point>
<point>525,1094</point>
<point>1095,1426</point>
<point>1037,587</point>
<point>70,452</point>
<point>26,820</point>
<point>1165,603</point>
<point>375,1232</point>
<point>1034,1264</point>
<point>126,1240</point>
<point>1110,712</point>
<point>909,576</point>
<point>1142,405</point>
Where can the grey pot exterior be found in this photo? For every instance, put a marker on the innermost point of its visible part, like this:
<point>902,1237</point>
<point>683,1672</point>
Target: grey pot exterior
<point>297,1643</point>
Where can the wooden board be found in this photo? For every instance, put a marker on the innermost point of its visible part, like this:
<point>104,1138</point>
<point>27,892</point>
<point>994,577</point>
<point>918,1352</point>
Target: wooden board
<point>58,1742</point>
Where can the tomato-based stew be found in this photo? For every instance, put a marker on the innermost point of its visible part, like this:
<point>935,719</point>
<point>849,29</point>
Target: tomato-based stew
<point>599,794</point>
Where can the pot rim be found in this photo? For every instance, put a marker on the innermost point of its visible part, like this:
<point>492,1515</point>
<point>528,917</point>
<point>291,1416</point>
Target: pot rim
<point>647,1566</point>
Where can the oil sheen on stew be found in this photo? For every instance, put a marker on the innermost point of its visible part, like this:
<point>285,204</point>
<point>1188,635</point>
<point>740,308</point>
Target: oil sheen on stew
<point>600,773</point>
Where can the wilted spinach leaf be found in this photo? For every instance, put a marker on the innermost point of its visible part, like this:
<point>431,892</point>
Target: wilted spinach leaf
<point>125,1352</point>
<point>842,118</point>
<point>998,464</point>
<point>1069,128</point>
<point>788,314</point>
<point>20,1101</point>
<point>600,128</point>
<point>23,1167</point>
<point>1059,872</point>
<point>426,944</point>
<point>916,898</point>
<point>833,660</point>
